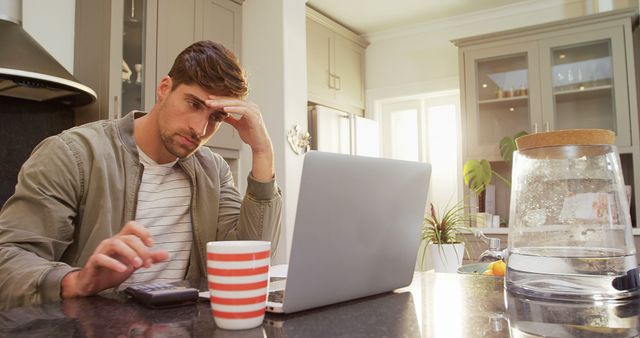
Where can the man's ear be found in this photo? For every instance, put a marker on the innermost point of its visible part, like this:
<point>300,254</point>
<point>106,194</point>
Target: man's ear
<point>164,88</point>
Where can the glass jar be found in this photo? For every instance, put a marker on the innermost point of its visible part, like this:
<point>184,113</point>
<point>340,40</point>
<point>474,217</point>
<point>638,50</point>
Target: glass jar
<point>570,229</point>
<point>529,317</point>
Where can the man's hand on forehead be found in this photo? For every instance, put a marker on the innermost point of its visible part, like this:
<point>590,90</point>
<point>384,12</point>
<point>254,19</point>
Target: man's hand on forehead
<point>246,118</point>
<point>222,103</point>
<point>219,115</point>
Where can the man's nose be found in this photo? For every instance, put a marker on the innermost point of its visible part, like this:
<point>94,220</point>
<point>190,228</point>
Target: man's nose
<point>199,125</point>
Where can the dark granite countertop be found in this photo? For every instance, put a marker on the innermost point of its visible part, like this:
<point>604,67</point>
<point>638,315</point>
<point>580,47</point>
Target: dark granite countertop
<point>434,305</point>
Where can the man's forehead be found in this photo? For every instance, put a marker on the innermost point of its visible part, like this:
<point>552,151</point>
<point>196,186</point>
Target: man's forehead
<point>195,96</point>
<point>200,93</point>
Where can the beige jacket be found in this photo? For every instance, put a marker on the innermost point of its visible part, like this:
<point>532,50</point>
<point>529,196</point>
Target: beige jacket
<point>80,187</point>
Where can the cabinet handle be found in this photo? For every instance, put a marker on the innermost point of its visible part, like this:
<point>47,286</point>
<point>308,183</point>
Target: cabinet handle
<point>535,128</point>
<point>339,86</point>
<point>331,86</point>
<point>546,125</point>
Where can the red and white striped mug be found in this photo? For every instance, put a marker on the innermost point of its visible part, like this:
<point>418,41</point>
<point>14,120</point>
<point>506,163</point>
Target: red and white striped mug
<point>238,275</point>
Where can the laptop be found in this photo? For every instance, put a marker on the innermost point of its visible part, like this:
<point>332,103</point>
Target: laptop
<point>357,229</point>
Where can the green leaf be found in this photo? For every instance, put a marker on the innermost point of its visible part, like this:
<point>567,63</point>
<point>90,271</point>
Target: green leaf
<point>508,146</point>
<point>477,174</point>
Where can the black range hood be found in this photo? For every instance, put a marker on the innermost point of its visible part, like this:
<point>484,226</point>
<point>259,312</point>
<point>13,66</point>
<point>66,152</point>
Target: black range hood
<point>27,71</point>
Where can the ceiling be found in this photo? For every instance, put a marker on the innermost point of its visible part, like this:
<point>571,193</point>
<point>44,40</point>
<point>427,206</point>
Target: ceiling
<point>371,16</point>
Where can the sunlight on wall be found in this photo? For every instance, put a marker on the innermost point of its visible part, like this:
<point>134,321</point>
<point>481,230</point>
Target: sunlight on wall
<point>425,128</point>
<point>404,134</point>
<point>443,146</point>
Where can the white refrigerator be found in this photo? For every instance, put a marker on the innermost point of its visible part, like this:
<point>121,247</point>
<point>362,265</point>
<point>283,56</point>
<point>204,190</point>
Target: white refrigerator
<point>340,132</point>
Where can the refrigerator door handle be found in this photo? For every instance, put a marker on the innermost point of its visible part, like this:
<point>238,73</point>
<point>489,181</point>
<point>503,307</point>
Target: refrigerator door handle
<point>352,134</point>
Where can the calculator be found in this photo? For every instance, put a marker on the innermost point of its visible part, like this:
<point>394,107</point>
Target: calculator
<point>160,295</point>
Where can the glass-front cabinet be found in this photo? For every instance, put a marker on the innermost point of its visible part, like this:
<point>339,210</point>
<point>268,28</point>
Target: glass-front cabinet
<point>584,84</point>
<point>133,55</point>
<point>571,74</point>
<point>572,81</point>
<point>115,49</point>
<point>504,105</point>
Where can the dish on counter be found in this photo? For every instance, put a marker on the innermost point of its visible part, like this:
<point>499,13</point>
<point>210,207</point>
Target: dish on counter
<point>476,269</point>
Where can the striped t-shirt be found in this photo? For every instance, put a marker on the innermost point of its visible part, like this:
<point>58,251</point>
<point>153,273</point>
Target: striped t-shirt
<point>163,208</point>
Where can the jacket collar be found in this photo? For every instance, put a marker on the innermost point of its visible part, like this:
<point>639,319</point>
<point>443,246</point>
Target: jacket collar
<point>125,131</point>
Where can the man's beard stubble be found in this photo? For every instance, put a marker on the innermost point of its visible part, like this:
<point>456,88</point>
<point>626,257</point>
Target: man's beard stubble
<point>176,148</point>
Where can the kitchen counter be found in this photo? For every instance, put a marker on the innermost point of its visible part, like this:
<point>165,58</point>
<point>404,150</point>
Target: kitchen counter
<point>434,305</point>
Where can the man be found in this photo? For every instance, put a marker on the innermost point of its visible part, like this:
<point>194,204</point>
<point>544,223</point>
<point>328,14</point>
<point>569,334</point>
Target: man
<point>135,200</point>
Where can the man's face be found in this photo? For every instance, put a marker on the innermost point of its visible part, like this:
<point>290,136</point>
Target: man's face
<point>185,122</point>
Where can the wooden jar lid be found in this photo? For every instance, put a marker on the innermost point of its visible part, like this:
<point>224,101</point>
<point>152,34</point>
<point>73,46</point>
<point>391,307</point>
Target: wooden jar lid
<point>566,137</point>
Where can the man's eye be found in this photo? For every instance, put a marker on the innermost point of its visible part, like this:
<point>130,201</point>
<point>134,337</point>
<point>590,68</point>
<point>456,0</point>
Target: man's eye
<point>218,116</point>
<point>195,105</point>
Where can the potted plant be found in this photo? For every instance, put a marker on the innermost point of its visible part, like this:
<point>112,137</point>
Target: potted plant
<point>442,236</point>
<point>478,173</point>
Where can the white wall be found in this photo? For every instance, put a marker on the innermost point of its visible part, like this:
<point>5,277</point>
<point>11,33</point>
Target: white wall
<point>51,23</point>
<point>421,58</point>
<point>274,55</point>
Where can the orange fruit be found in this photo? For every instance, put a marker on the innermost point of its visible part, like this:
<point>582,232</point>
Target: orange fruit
<point>499,268</point>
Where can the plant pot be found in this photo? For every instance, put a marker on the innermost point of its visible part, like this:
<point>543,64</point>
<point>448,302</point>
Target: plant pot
<point>447,257</point>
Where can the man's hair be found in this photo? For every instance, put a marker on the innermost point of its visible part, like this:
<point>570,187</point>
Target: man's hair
<point>211,66</point>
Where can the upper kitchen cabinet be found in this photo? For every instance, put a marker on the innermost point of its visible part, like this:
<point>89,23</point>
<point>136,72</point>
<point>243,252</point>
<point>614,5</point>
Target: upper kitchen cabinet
<point>335,64</point>
<point>189,21</point>
<point>182,23</point>
<point>115,51</point>
<point>575,73</point>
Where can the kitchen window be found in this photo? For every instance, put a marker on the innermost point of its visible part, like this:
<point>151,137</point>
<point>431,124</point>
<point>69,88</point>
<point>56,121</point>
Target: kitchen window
<point>426,128</point>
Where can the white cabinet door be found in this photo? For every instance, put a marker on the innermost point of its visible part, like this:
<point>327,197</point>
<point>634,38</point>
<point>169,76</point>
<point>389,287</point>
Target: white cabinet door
<point>335,64</point>
<point>319,59</point>
<point>349,71</point>
<point>584,82</point>
<point>219,21</point>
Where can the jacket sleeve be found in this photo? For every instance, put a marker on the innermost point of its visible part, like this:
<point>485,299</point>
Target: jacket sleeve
<point>36,225</point>
<point>258,217</point>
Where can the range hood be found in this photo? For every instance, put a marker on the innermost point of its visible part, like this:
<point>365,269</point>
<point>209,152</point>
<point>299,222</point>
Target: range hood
<point>28,71</point>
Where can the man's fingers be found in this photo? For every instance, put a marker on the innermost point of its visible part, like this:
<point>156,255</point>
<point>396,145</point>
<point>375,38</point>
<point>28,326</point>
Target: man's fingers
<point>122,247</point>
<point>222,102</point>
<point>232,121</point>
<point>108,262</point>
<point>235,106</point>
<point>132,228</point>
<point>159,256</point>
<point>142,250</point>
<point>237,110</point>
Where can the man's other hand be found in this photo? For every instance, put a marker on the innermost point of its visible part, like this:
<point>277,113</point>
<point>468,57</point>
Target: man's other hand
<point>113,261</point>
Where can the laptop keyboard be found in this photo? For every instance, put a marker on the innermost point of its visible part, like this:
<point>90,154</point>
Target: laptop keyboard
<point>276,289</point>
<point>276,296</point>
